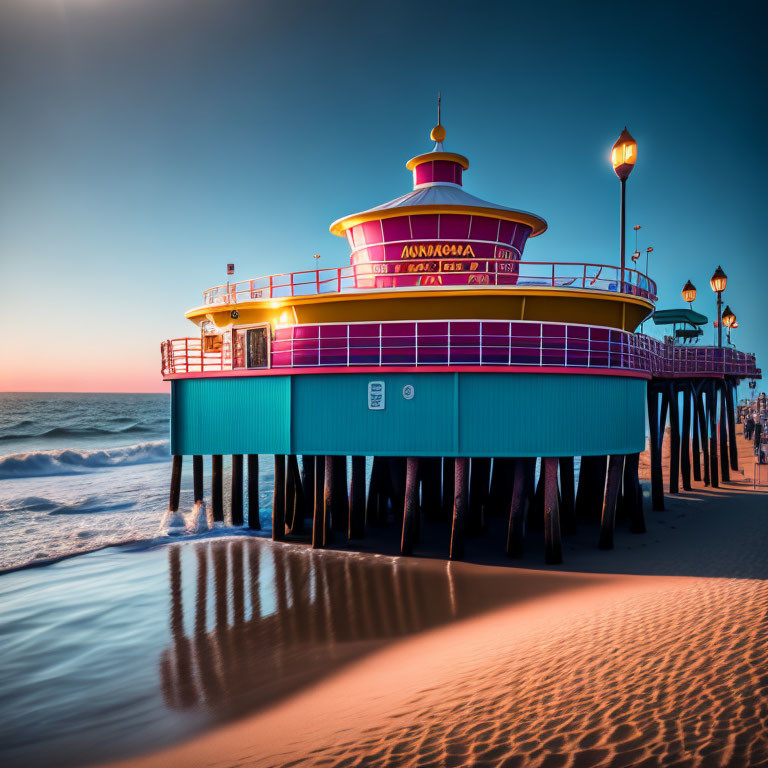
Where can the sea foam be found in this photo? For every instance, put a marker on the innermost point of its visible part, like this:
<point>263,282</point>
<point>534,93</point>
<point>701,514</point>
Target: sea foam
<point>69,461</point>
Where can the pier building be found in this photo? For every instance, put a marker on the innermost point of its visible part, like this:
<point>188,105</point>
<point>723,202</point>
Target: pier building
<point>438,351</point>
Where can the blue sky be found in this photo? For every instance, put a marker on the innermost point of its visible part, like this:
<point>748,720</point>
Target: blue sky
<point>145,143</point>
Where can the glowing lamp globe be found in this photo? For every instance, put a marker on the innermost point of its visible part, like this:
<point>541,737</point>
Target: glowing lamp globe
<point>624,154</point>
<point>689,292</point>
<point>728,317</point>
<point>719,280</point>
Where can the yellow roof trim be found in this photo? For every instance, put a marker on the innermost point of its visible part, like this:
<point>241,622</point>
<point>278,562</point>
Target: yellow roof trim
<point>520,217</point>
<point>429,156</point>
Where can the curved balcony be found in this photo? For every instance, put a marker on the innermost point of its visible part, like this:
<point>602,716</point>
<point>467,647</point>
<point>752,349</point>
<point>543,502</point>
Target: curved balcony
<point>435,273</point>
<point>461,344</point>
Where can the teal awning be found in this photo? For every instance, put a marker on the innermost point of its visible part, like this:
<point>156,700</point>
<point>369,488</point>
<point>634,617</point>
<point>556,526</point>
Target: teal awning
<point>674,316</point>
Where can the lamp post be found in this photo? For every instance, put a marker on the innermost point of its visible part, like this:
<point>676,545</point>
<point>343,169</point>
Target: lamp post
<point>729,321</point>
<point>648,252</point>
<point>689,293</point>
<point>718,281</point>
<point>623,157</point>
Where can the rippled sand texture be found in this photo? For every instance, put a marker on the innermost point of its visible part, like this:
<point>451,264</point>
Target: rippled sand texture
<point>645,682</point>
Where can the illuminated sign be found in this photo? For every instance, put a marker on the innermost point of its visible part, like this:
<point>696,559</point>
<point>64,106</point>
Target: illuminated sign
<point>436,250</point>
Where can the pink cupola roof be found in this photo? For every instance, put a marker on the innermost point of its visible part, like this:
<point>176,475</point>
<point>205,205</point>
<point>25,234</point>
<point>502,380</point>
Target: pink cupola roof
<point>438,188</point>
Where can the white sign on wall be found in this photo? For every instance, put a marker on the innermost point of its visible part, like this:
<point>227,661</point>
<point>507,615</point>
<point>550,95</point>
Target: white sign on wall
<point>376,396</point>
<point>408,392</point>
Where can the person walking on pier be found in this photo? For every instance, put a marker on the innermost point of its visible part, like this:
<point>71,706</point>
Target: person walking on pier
<point>749,425</point>
<point>758,431</point>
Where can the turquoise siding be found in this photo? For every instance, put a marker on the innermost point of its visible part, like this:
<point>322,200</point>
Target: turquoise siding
<point>451,414</point>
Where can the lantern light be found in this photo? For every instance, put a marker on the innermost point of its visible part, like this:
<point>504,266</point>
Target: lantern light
<point>728,317</point>
<point>689,292</point>
<point>719,280</point>
<point>624,155</point>
<point>635,255</point>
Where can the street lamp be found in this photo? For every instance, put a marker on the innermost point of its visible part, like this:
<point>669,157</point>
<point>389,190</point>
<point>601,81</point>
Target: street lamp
<point>728,320</point>
<point>648,252</point>
<point>718,281</point>
<point>623,157</point>
<point>689,293</point>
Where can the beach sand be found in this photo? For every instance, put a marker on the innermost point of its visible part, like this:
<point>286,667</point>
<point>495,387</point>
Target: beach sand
<point>653,654</point>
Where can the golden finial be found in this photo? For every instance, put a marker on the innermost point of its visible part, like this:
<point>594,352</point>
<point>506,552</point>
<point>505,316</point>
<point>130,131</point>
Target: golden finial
<point>438,132</point>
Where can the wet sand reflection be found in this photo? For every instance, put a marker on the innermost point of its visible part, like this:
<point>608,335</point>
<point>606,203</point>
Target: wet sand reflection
<point>280,617</point>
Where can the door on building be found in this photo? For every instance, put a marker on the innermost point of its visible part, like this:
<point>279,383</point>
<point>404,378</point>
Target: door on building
<point>258,347</point>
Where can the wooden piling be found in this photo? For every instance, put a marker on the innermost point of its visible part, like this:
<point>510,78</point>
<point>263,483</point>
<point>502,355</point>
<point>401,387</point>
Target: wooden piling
<point>568,499</point>
<point>589,493</point>
<point>731,419</point>
<point>217,488</point>
<point>701,418</point>
<point>612,485</point>
<point>318,513</point>
<point>695,450</point>
<point>336,499</point>
<point>725,463</point>
<point>308,484</point>
<point>517,507</point>
<point>552,544</point>
<point>254,522</point>
<point>236,495</point>
<point>357,499</point>
<point>294,498</point>
<point>711,388</point>
<point>173,501</point>
<point>460,486</point>
<point>411,508</point>
<point>674,424</point>
<point>278,500</point>
<point>290,494</point>
<point>685,442</point>
<point>197,479</point>
<point>657,480</point>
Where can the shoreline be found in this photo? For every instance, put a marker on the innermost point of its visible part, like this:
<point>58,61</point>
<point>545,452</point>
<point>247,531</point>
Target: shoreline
<point>627,669</point>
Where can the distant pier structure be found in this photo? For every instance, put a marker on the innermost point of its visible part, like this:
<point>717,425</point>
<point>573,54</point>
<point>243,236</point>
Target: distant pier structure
<point>459,366</point>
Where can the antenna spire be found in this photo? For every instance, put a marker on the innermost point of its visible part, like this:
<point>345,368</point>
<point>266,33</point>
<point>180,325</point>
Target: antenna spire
<point>438,132</point>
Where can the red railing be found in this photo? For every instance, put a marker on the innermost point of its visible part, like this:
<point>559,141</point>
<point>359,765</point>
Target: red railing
<point>469,342</point>
<point>435,273</point>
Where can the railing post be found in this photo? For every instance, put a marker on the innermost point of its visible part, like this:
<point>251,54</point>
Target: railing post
<point>553,274</point>
<point>271,287</point>
<point>338,280</point>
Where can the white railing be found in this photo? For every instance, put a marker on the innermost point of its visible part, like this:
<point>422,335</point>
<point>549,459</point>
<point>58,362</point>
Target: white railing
<point>468,343</point>
<point>435,273</point>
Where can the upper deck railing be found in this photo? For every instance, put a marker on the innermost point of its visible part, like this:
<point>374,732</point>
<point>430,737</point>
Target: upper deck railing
<point>420,344</point>
<point>445,272</point>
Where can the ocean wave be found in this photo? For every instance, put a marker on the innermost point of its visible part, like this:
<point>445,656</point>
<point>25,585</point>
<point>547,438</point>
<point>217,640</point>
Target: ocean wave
<point>85,506</point>
<point>67,461</point>
<point>132,428</point>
